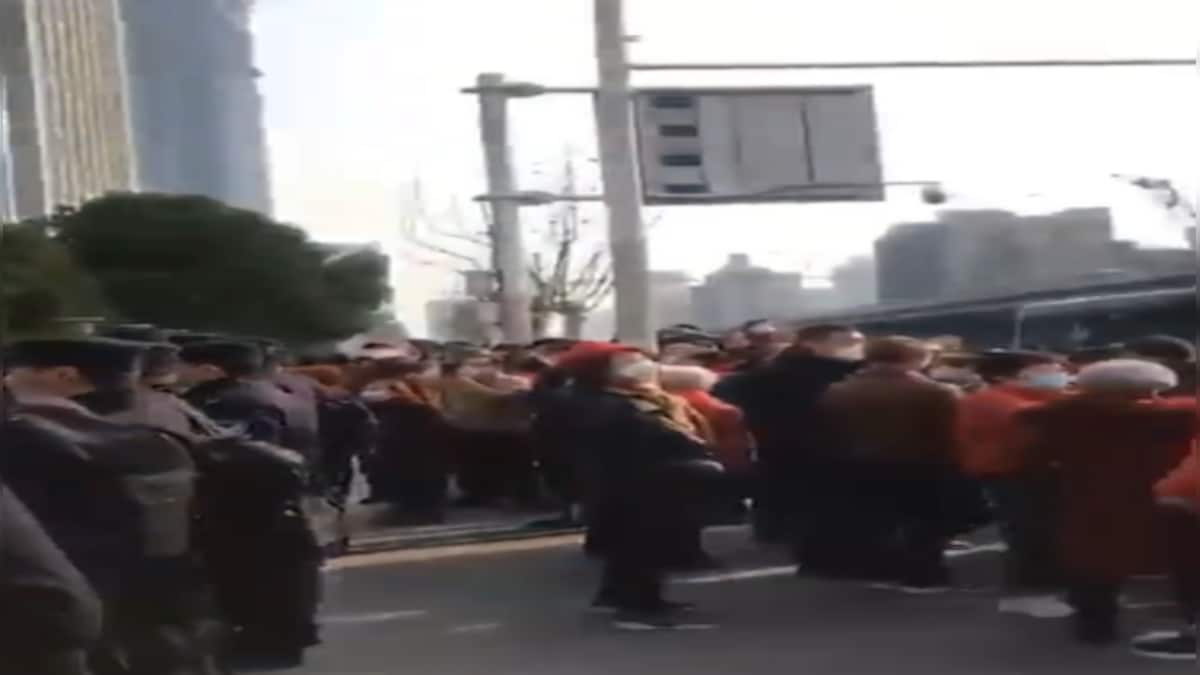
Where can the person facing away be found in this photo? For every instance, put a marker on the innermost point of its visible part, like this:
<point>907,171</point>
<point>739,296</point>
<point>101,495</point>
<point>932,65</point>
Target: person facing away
<point>127,521</point>
<point>993,449</point>
<point>642,462</point>
<point>226,381</point>
<point>1110,443</point>
<point>780,403</point>
<point>894,430</point>
<point>49,616</point>
<point>270,588</point>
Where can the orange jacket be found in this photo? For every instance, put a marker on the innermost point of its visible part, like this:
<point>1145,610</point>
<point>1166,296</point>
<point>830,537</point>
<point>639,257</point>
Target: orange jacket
<point>991,441</point>
<point>732,442</point>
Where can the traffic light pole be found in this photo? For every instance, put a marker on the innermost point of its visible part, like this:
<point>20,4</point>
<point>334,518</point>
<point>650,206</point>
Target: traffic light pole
<point>620,170</point>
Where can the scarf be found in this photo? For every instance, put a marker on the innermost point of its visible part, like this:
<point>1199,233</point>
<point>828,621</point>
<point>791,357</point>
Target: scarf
<point>670,410</point>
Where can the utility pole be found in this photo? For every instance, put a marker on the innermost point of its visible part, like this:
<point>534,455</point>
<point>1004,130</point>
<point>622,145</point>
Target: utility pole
<point>508,250</point>
<point>619,167</point>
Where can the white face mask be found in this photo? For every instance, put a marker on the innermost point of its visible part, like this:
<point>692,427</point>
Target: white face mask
<point>856,353</point>
<point>642,371</point>
<point>1050,381</point>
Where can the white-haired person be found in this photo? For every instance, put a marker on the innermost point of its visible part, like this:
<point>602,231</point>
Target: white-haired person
<point>1110,444</point>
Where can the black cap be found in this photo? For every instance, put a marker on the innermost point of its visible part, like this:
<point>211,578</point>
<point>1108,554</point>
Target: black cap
<point>236,358</point>
<point>104,361</point>
<point>135,332</point>
<point>184,337</point>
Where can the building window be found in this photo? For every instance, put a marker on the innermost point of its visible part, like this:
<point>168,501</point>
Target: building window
<point>681,159</point>
<point>678,130</point>
<point>673,102</point>
<point>685,189</point>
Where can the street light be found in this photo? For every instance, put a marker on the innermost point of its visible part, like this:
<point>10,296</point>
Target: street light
<point>536,198</point>
<point>520,89</point>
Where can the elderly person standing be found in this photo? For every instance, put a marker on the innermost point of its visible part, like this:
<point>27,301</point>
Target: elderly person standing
<point>894,429</point>
<point>1111,443</point>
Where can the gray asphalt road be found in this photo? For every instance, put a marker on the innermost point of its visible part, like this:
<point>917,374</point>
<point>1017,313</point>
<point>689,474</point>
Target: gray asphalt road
<point>496,611</point>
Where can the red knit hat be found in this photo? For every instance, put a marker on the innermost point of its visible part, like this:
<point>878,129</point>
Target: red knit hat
<point>591,354</point>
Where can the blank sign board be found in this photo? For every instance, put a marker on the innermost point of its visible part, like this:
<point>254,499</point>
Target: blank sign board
<point>758,145</point>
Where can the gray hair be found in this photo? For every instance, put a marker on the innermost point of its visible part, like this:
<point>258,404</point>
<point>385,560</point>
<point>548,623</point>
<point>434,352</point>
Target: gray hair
<point>1127,375</point>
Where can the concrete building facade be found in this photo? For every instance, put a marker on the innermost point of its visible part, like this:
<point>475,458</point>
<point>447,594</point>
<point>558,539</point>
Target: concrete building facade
<point>68,135</point>
<point>741,291</point>
<point>195,104</point>
<point>974,253</point>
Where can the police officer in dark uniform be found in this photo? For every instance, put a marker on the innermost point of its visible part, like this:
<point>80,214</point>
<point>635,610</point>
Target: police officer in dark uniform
<point>125,521</point>
<point>266,572</point>
<point>49,617</point>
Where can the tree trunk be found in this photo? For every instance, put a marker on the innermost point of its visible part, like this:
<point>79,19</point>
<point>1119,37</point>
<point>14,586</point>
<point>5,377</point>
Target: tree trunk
<point>575,321</point>
<point>541,323</point>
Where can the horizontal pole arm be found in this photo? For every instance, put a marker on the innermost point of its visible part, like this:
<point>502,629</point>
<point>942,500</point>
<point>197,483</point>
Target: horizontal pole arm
<point>912,65</point>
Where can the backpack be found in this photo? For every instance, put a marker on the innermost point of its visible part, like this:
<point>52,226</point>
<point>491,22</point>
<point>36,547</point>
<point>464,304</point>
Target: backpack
<point>111,495</point>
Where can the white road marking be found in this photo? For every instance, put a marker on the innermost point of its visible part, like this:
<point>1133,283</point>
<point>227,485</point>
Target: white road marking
<point>489,627</point>
<point>374,617</point>
<point>739,575</point>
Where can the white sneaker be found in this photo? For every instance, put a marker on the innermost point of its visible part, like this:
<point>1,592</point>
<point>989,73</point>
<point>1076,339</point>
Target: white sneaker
<point>1036,606</point>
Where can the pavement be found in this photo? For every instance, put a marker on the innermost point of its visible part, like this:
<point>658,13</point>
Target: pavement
<point>517,608</point>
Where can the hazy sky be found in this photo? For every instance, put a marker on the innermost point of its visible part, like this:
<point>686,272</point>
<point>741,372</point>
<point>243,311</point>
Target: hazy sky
<point>362,99</point>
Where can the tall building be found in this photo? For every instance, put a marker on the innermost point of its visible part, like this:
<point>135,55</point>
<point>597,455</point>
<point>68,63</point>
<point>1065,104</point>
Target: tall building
<point>741,291</point>
<point>854,282</point>
<point>196,109</point>
<point>65,96</point>
<point>972,253</point>
<point>671,297</point>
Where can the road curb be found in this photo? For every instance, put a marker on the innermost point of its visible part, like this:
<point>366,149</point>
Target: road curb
<point>406,541</point>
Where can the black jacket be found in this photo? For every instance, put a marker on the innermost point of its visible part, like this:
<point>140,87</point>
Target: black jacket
<point>49,616</point>
<point>621,450</point>
<point>253,407</point>
<point>781,403</point>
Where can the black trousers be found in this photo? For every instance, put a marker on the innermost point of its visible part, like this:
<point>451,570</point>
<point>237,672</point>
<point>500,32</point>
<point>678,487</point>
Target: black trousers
<point>1025,508</point>
<point>1096,603</point>
<point>1183,540</point>
<point>494,465</point>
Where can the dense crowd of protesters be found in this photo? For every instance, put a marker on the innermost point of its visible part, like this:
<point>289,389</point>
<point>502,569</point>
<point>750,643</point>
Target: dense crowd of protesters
<point>168,497</point>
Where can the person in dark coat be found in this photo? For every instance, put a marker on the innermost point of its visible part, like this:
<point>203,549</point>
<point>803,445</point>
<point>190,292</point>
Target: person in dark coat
<point>642,466</point>
<point>126,522</point>
<point>895,432</point>
<point>794,467</point>
<point>49,616</point>
<point>1111,443</point>
<point>270,593</point>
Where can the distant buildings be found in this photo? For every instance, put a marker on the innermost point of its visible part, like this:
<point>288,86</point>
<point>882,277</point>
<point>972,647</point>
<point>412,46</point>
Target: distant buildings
<point>740,292</point>
<point>854,283</point>
<point>195,106</point>
<point>64,105</point>
<point>127,95</point>
<point>671,297</point>
<point>971,253</point>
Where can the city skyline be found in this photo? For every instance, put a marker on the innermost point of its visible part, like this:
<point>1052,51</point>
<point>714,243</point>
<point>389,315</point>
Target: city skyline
<point>387,109</point>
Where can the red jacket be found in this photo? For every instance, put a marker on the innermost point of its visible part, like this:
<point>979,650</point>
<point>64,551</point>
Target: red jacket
<point>1110,453</point>
<point>732,442</point>
<point>990,441</point>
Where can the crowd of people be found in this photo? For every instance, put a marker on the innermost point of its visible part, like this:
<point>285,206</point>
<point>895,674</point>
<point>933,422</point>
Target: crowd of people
<point>167,497</point>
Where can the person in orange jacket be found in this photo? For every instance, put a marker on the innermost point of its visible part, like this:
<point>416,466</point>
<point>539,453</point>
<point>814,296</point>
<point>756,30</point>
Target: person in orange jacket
<point>992,450</point>
<point>1110,443</point>
<point>1178,493</point>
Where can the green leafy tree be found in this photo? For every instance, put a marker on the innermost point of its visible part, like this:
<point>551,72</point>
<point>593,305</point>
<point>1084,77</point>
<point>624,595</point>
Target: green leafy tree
<point>40,282</point>
<point>192,262</point>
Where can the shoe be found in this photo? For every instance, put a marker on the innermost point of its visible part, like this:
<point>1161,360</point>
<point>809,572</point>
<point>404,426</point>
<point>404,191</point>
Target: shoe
<point>1036,606</point>
<point>1166,645</point>
<point>677,607</point>
<point>655,621</point>
<point>603,605</point>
